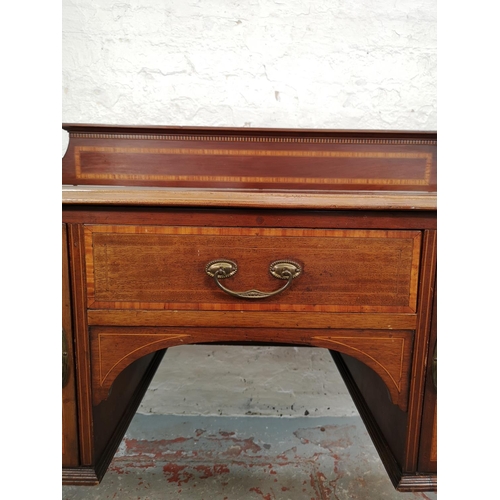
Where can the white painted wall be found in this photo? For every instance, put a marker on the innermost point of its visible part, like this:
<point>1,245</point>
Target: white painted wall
<point>359,64</point>
<point>367,64</point>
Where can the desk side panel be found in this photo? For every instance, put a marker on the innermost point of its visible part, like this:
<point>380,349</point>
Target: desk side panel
<point>70,449</point>
<point>113,416</point>
<point>427,461</point>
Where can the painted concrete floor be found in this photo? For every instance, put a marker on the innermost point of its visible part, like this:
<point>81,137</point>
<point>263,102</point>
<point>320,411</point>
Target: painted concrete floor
<point>244,458</point>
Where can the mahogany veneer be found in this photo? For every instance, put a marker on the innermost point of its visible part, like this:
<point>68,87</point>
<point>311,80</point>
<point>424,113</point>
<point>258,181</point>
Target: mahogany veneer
<point>146,211</point>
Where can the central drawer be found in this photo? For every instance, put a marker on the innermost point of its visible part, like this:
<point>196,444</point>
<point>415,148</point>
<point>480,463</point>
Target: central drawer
<point>159,267</point>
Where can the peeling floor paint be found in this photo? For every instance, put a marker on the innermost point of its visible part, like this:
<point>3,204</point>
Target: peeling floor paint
<point>240,458</point>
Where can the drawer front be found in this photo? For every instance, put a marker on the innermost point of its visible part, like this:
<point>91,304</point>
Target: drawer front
<point>158,267</point>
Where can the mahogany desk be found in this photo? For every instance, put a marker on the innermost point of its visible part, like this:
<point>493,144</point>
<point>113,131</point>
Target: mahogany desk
<point>176,236</point>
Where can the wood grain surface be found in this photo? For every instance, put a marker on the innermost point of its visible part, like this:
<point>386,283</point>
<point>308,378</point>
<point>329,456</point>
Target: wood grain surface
<point>300,199</point>
<point>147,208</point>
<point>151,267</point>
<point>278,319</point>
<point>70,451</point>
<point>428,445</point>
<point>250,159</point>
<point>388,353</point>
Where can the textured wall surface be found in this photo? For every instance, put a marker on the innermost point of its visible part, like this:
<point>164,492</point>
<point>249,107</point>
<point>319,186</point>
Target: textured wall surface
<point>362,64</point>
<point>262,63</point>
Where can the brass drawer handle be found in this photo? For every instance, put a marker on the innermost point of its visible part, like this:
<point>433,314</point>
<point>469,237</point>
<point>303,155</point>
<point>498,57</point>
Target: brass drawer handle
<point>280,269</point>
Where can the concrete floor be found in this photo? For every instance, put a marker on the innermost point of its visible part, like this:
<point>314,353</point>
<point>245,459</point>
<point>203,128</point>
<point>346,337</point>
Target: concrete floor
<point>238,381</point>
<point>250,458</point>
<point>277,424</point>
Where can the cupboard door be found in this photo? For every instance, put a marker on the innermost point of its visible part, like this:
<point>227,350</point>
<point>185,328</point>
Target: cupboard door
<point>69,419</point>
<point>428,443</point>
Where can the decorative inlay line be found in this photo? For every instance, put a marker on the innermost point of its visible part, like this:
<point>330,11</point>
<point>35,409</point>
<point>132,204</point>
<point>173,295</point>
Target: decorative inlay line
<point>383,234</point>
<point>164,337</point>
<point>335,341</point>
<point>254,153</point>
<point>387,302</point>
<point>214,138</point>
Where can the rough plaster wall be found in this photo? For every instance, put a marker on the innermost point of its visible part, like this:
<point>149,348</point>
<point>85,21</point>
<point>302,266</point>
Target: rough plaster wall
<point>362,64</point>
<point>366,64</point>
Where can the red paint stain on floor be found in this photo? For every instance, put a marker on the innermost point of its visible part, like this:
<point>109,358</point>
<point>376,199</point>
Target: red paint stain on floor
<point>335,444</point>
<point>361,481</point>
<point>138,464</point>
<point>154,448</point>
<point>322,482</point>
<point>174,472</point>
<point>259,492</point>
<point>312,479</point>
<point>226,434</point>
<point>286,457</point>
<point>241,446</point>
<point>335,437</point>
<point>141,444</point>
<point>212,470</point>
